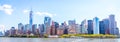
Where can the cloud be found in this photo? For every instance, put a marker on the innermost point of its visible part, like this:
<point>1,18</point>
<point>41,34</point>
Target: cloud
<point>26,11</point>
<point>6,8</point>
<point>45,13</point>
<point>39,13</point>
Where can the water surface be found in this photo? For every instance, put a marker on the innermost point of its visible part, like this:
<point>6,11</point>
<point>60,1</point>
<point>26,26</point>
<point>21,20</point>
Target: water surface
<point>7,39</point>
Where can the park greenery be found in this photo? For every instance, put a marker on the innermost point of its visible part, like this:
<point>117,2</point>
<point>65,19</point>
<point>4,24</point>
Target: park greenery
<point>69,36</point>
<point>88,36</point>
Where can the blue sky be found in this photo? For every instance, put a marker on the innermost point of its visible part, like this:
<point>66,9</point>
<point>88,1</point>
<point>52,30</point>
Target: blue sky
<point>13,12</point>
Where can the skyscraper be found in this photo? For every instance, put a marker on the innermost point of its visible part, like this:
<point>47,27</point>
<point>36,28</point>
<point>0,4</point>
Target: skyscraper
<point>41,28</point>
<point>1,34</point>
<point>102,27</point>
<point>27,26</point>
<point>96,25</point>
<point>47,23</point>
<point>20,25</point>
<point>52,29</point>
<point>12,31</point>
<point>60,30</point>
<point>34,27</point>
<point>20,28</point>
<point>116,30</point>
<point>72,27</point>
<point>77,27</point>
<point>106,26</point>
<point>84,26</point>
<point>71,22</point>
<point>31,20</point>
<point>90,27</point>
<point>56,27</point>
<point>112,23</point>
<point>65,27</point>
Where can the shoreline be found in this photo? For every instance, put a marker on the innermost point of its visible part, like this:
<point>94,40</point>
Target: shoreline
<point>59,37</point>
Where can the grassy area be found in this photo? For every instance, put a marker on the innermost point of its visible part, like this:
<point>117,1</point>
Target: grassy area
<point>69,36</point>
<point>88,35</point>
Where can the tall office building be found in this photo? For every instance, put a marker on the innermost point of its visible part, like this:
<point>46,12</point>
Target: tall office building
<point>77,27</point>
<point>80,28</point>
<point>96,25</point>
<point>20,25</point>
<point>41,28</point>
<point>60,30</point>
<point>71,22</point>
<point>65,27</point>
<point>12,31</point>
<point>1,34</point>
<point>72,27</point>
<point>90,27</point>
<point>116,30</point>
<point>52,29</point>
<point>26,28</point>
<point>47,23</point>
<point>31,20</point>
<point>112,24</point>
<point>56,27</point>
<point>102,27</point>
<point>65,31</point>
<point>84,27</point>
<point>34,28</point>
<point>106,26</point>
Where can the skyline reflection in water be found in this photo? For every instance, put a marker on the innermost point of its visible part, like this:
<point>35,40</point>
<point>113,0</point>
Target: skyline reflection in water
<point>5,39</point>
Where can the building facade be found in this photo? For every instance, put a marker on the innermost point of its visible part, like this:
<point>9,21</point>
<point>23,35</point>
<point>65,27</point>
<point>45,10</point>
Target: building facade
<point>112,24</point>
<point>47,24</point>
<point>96,25</point>
<point>102,27</point>
<point>90,27</point>
<point>31,20</point>
<point>84,27</point>
<point>106,26</point>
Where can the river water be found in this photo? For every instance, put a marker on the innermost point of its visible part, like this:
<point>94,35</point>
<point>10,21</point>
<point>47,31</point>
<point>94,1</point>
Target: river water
<point>6,39</point>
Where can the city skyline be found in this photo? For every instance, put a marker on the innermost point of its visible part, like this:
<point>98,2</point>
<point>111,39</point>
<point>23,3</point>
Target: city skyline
<point>66,10</point>
<point>50,27</point>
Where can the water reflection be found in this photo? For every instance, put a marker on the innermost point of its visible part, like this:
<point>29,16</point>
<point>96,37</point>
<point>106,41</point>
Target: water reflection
<point>3,39</point>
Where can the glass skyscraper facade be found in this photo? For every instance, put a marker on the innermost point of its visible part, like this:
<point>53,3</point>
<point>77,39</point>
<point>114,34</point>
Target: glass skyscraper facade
<point>96,25</point>
<point>112,24</point>
<point>27,26</point>
<point>101,27</point>
<point>20,25</point>
<point>47,23</point>
<point>34,27</point>
<point>56,27</point>
<point>84,26</point>
<point>71,22</point>
<point>106,26</point>
<point>31,20</point>
<point>90,27</point>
